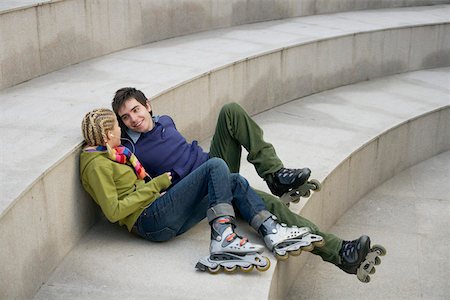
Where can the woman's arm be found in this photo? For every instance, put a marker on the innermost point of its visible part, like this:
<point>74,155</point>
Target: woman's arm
<point>104,190</point>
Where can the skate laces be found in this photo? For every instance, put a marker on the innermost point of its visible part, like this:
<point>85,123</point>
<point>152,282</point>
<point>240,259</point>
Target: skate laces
<point>286,175</point>
<point>349,250</point>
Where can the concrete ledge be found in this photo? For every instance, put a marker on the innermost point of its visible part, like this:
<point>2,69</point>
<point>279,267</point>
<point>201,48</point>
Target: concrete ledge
<point>373,144</point>
<point>369,166</point>
<point>40,36</point>
<point>189,83</point>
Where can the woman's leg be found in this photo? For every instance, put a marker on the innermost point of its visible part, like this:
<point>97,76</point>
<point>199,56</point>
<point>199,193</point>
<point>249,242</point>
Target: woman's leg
<point>184,205</point>
<point>248,204</point>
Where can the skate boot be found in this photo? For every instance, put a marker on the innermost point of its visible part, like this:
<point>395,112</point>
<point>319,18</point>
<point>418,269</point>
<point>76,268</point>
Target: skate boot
<point>230,251</point>
<point>291,184</point>
<point>284,241</point>
<point>357,257</point>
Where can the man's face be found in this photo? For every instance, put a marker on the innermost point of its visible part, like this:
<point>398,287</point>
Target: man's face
<point>136,116</point>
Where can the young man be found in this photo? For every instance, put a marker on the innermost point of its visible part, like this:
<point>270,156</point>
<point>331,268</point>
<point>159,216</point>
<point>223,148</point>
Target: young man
<point>161,148</point>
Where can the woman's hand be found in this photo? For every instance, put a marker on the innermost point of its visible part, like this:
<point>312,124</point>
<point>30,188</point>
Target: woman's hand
<point>169,175</point>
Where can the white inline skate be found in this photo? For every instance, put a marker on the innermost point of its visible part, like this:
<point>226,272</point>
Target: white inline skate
<point>230,252</point>
<point>284,241</point>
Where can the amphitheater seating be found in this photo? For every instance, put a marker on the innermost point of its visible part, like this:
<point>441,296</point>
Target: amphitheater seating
<point>44,212</point>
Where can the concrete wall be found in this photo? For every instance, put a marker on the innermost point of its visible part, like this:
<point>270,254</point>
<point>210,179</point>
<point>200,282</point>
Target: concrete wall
<point>39,229</point>
<point>378,160</point>
<point>40,38</point>
<point>265,81</point>
<point>44,224</point>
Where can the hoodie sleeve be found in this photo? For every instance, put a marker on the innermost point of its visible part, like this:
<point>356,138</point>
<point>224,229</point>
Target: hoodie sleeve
<point>105,193</point>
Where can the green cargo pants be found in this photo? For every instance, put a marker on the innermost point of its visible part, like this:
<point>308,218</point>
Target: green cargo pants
<point>236,129</point>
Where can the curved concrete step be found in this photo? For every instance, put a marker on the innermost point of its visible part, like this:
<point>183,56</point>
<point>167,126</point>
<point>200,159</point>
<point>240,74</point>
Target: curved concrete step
<point>56,33</point>
<point>259,65</point>
<point>410,215</point>
<point>374,128</point>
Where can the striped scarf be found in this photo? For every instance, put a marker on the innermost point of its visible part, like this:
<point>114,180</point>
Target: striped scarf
<point>122,155</point>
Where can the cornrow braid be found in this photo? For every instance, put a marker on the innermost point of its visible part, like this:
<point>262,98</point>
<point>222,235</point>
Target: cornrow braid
<point>95,124</point>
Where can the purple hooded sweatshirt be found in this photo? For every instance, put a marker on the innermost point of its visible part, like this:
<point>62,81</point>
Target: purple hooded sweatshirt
<point>164,149</point>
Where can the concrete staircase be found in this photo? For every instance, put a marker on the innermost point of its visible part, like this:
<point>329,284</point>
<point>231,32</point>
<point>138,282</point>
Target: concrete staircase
<point>45,214</point>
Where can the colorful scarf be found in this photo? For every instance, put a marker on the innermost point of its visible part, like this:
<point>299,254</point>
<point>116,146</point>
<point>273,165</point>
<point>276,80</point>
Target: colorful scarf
<point>121,155</point>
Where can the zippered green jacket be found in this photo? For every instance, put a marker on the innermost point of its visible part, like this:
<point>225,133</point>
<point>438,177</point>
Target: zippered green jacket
<point>116,188</point>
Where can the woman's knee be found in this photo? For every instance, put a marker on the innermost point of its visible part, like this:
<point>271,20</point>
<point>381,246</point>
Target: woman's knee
<point>216,162</point>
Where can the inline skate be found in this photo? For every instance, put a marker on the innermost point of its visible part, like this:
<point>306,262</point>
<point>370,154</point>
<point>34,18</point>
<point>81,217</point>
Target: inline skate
<point>291,184</point>
<point>230,252</point>
<point>284,241</point>
<point>359,258</point>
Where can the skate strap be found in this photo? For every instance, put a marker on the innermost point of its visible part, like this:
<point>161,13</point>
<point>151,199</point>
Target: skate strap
<point>224,221</point>
<point>233,236</point>
<point>243,241</point>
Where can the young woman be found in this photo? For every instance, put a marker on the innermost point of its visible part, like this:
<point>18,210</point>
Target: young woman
<point>119,184</point>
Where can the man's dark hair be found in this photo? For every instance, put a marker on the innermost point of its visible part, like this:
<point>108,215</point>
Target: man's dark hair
<point>124,94</point>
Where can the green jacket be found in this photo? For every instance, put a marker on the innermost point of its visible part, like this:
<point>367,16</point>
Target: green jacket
<point>116,188</point>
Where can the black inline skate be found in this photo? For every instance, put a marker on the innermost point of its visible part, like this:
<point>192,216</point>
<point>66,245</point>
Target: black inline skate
<point>359,258</point>
<point>230,252</point>
<point>291,184</point>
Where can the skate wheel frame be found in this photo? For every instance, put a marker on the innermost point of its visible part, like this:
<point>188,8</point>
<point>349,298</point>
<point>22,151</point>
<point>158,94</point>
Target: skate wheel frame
<point>304,190</point>
<point>262,264</point>
<point>372,259</point>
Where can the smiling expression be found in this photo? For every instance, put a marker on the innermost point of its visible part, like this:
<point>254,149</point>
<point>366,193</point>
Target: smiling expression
<point>136,116</point>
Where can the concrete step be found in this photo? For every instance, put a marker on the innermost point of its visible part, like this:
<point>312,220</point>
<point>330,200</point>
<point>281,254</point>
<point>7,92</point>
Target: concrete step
<point>373,128</point>
<point>44,211</point>
<point>54,34</point>
<point>410,215</point>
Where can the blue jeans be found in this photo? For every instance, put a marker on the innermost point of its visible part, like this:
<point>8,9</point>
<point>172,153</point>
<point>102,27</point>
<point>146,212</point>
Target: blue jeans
<point>211,191</point>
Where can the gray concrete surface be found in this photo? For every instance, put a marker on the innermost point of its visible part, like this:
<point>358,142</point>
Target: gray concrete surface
<point>56,33</point>
<point>43,209</point>
<point>175,71</point>
<point>408,214</point>
<point>316,131</point>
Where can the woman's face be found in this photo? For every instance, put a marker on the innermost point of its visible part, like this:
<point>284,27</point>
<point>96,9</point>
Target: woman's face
<point>113,136</point>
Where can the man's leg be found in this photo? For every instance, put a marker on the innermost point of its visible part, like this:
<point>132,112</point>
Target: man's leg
<point>329,252</point>
<point>235,128</point>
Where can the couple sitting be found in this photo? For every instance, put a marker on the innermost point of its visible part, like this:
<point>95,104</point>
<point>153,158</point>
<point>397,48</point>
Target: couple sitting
<point>174,185</point>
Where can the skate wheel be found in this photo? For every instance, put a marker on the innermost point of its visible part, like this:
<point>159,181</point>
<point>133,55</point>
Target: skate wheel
<point>214,270</point>
<point>296,252</point>
<point>307,194</point>
<point>319,243</point>
<point>377,261</point>
<point>230,269</point>
<point>295,200</point>
<point>372,271</point>
<point>365,279</point>
<point>264,268</point>
<point>247,269</point>
<point>308,248</point>
<point>281,257</point>
<point>380,249</point>
<point>317,184</point>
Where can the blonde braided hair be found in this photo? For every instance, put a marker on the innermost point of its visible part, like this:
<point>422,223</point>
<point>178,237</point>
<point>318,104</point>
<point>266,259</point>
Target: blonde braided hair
<point>96,124</point>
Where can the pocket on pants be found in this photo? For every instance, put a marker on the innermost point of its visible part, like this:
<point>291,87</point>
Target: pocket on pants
<point>162,235</point>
